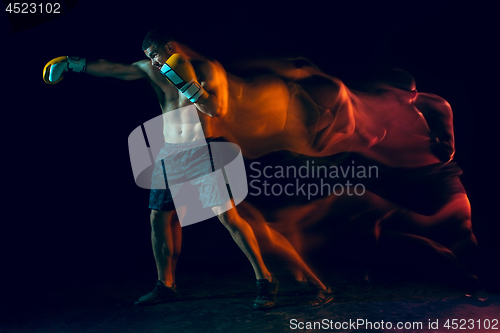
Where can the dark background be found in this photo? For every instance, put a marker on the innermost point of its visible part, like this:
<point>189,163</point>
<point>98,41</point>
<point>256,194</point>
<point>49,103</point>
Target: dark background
<point>71,212</point>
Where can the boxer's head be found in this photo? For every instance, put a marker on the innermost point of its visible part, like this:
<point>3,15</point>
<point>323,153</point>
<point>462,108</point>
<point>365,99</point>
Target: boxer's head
<point>405,82</point>
<point>401,79</point>
<point>383,79</point>
<point>158,46</point>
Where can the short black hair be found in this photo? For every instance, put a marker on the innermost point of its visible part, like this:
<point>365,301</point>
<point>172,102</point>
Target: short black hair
<point>368,76</point>
<point>158,36</point>
<point>399,78</point>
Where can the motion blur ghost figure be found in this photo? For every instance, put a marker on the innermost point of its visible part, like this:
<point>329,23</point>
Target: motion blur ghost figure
<point>293,106</point>
<point>287,108</point>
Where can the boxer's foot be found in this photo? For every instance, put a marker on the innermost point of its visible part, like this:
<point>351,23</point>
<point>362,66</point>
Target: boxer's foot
<point>321,296</point>
<point>160,294</point>
<point>478,297</point>
<point>266,294</point>
<point>476,293</point>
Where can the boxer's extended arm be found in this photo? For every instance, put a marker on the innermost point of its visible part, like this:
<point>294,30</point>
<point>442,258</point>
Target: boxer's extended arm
<point>54,70</point>
<point>105,68</point>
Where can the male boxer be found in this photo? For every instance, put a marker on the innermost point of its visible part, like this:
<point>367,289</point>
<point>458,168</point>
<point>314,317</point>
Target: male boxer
<point>181,79</point>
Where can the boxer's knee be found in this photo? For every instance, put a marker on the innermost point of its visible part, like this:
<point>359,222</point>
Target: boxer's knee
<point>229,218</point>
<point>457,226</point>
<point>459,212</point>
<point>159,219</point>
<point>224,208</point>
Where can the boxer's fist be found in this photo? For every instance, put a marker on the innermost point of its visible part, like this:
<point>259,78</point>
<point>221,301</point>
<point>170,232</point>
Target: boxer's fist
<point>181,74</point>
<point>54,70</point>
<point>441,149</point>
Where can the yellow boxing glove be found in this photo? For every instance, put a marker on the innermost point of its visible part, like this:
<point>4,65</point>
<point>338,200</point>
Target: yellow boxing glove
<point>54,70</point>
<point>181,74</point>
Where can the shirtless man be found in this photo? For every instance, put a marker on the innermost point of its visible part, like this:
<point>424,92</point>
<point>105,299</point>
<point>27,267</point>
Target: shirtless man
<point>184,130</point>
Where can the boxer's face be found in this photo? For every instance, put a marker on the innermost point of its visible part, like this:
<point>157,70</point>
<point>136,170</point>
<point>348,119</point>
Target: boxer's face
<point>159,55</point>
<point>412,92</point>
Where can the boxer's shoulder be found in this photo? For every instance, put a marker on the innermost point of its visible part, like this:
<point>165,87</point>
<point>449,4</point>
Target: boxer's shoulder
<point>431,99</point>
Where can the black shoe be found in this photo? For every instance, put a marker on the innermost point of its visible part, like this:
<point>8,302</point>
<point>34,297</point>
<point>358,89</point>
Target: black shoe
<point>266,294</point>
<point>160,294</point>
<point>478,297</point>
<point>476,293</point>
<point>321,297</point>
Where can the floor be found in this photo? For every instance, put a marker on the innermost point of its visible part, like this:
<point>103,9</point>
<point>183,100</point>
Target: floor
<point>221,302</point>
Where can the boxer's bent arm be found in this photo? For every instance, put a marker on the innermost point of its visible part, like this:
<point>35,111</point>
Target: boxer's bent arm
<point>215,84</point>
<point>105,68</point>
<point>439,116</point>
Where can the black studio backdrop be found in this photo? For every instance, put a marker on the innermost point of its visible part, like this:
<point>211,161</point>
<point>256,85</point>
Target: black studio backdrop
<point>72,207</point>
